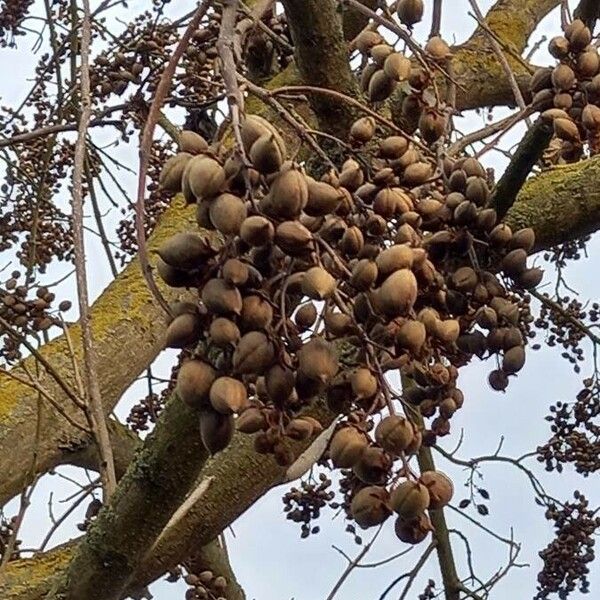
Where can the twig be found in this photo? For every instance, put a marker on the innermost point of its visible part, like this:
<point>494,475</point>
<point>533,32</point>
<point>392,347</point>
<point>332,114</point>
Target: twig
<point>98,421</point>
<point>436,19</point>
<point>162,90</point>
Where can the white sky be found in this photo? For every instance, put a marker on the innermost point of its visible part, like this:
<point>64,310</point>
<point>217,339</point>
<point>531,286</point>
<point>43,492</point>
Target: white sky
<point>270,560</point>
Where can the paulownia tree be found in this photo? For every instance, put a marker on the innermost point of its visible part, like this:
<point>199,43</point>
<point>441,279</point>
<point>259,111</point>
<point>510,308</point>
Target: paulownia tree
<point>322,245</point>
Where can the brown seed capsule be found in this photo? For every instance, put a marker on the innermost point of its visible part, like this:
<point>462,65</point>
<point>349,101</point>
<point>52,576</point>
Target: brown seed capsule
<point>227,213</point>
<point>579,35</point>
<point>257,231</point>
<point>194,381</point>
<point>216,430</point>
<point>512,337</point>
<point>417,174</point>
<point>318,360</point>
<point>254,354</point>
<point>393,259</point>
<point>306,315</point>
<point>397,67</point>
<point>255,127</point>
<point>398,293</point>
<point>318,284</point>
<point>563,78</point>
<point>448,331</point>
<point>337,324</point>
<point>279,382</point>
<point>299,430</point>
<point>429,317</point>
<point>185,250</point>
<point>432,125</point>
<point>588,64</point>
<point>205,176</point>
<point>486,219</point>
<point>289,194</point>
<point>252,420</point>
<point>346,447</point>
<point>477,191</point>
<point>465,279</point>
<point>410,12</point>
<point>523,238</point>
<point>224,332</point>
<point>190,141</point>
<point>221,298</point>
<point>394,434</point>
<point>513,360</point>
<point>590,118</point>
<point>393,147</point>
<point>498,380</point>
<point>515,262</point>
<point>411,336</point>
<point>369,507</point>
<point>558,46</point>
<point>440,486</point>
<point>410,499</point>
<point>366,39</point>
<point>352,176</point>
<point>530,278</point>
<point>183,331</point>
<point>500,235</point>
<point>380,52</point>
<point>380,86</point>
<point>541,79</point>
<point>373,466</point>
<point>363,130</point>
<point>293,238</point>
<point>352,241</point>
<point>266,154</point>
<point>323,198</point>
<point>566,130</point>
<point>413,531</point>
<point>174,277</point>
<point>228,395</point>
<point>172,172</point>
<point>364,274</point>
<point>235,272</point>
<point>365,76</point>
<point>257,313</point>
<point>437,49</point>
<point>486,317</point>
<point>364,383</point>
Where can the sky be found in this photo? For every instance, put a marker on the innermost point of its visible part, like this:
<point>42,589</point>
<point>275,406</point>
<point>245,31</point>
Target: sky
<point>267,554</point>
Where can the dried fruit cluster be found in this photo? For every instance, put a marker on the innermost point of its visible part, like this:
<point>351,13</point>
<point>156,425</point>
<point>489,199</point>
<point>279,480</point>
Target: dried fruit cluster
<point>569,93</point>
<point>7,534</point>
<point>385,267</point>
<point>575,432</point>
<point>205,586</point>
<point>566,559</point>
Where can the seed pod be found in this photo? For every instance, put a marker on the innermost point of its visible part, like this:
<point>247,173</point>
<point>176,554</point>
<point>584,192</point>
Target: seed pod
<point>364,274</point>
<point>411,336</point>
<point>182,308</point>
<point>235,272</point>
<point>318,360</point>
<point>216,430</point>
<point>292,237</point>
<point>389,202</point>
<point>337,324</point>
<point>512,337</point>
<point>172,172</point>
<point>563,101</point>
<point>257,231</point>
<point>500,235</point>
<point>352,176</point>
<point>299,430</point>
<point>227,213</point>
<point>254,354</point>
<point>465,279</point>
<point>289,194</point>
<point>228,395</point>
<point>393,147</point>
<point>190,141</point>
<point>365,76</point>
<point>498,380</point>
<point>366,39</point>
<point>323,198</point>
<point>487,219</point>
<point>266,154</point>
<point>279,382</point>
<point>588,64</point>
<point>346,447</point>
<point>252,420</point>
<point>530,278</point>
<point>524,238</point>
<point>174,277</point>
<point>183,331</point>
<point>515,262</point>
<point>437,49</point>
<point>185,251</point>
<point>563,78</point>
<point>549,115</point>
<point>380,86</point>
<point>566,130</point>
<point>431,125</point>
<point>398,293</point>
<point>380,52</point>
<point>417,174</point>
<point>255,127</point>
<point>579,35</point>
<point>352,241</point>
<point>394,434</point>
<point>364,383</point>
<point>397,67</point>
<point>410,12</point>
<point>477,191</point>
<point>448,331</point>
<point>318,284</point>
<point>413,531</point>
<point>369,507</point>
<point>506,309</point>
<point>440,486</point>
<point>194,381</point>
<point>542,100</point>
<point>257,313</point>
<point>513,360</point>
<point>410,499</point>
<point>221,298</point>
<point>429,317</point>
<point>558,46</point>
<point>224,332</point>
<point>363,130</point>
<point>373,467</point>
<point>205,176</point>
<point>393,259</point>
<point>541,79</point>
<point>590,118</point>
<point>486,317</point>
<point>306,315</point>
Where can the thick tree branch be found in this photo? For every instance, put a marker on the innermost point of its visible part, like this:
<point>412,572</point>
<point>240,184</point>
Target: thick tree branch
<point>322,57</point>
<point>589,12</point>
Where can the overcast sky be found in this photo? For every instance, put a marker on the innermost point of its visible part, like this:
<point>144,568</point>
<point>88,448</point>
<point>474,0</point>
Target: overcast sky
<point>270,560</point>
